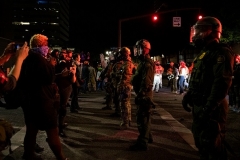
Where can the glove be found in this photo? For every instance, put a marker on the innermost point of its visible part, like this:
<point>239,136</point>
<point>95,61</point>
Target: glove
<point>187,101</point>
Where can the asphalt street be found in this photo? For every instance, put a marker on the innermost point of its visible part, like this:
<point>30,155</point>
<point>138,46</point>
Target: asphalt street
<point>93,134</point>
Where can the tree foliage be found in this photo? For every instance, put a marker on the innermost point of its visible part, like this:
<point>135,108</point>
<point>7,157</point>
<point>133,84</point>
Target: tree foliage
<point>227,11</point>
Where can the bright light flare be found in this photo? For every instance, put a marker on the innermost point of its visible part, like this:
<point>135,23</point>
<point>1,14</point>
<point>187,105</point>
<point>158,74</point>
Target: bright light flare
<point>155,18</point>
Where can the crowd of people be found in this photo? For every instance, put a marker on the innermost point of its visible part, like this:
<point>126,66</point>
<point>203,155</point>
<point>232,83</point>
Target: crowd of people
<point>48,78</point>
<point>178,76</point>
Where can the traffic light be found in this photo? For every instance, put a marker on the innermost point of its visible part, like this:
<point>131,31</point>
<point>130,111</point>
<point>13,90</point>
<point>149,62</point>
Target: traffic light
<point>155,17</point>
<point>199,16</point>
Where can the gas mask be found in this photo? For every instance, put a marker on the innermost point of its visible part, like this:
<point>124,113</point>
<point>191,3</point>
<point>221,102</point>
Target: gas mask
<point>43,50</point>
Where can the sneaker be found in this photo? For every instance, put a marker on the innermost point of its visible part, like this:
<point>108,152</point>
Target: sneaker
<point>107,108</point>
<point>237,110</point>
<point>138,147</point>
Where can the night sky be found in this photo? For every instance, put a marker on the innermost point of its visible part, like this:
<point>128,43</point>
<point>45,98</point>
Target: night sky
<point>94,25</point>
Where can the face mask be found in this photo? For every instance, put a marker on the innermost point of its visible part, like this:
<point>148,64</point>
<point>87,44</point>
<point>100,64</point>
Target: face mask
<point>43,50</point>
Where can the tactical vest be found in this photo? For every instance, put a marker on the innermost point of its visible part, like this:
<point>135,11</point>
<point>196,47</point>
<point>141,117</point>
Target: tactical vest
<point>116,73</point>
<point>128,69</point>
<point>137,78</point>
<point>202,76</point>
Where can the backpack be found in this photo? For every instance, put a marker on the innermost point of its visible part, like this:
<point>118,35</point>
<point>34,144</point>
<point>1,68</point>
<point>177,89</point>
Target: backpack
<point>6,133</point>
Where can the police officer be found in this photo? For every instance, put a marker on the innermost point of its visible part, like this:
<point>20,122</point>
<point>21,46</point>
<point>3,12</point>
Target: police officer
<point>210,81</point>
<point>115,79</point>
<point>108,85</point>
<point>142,82</point>
<point>124,87</point>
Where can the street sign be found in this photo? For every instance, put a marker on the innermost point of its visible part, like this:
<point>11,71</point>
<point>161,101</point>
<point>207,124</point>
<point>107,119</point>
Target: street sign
<point>176,21</point>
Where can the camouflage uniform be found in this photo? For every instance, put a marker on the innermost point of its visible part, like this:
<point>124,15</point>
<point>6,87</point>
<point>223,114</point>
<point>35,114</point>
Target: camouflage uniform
<point>115,77</point>
<point>124,90</point>
<point>108,87</point>
<point>210,81</point>
<point>142,83</point>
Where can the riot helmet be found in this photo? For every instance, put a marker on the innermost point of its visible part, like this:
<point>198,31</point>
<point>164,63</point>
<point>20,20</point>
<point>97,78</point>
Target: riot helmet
<point>124,53</point>
<point>112,56</point>
<point>205,30</point>
<point>140,46</point>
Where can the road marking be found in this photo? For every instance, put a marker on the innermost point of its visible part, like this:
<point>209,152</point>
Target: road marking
<point>17,140</point>
<point>185,133</point>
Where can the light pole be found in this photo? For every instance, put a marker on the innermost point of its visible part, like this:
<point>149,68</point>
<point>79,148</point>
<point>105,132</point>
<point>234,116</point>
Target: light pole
<point>142,16</point>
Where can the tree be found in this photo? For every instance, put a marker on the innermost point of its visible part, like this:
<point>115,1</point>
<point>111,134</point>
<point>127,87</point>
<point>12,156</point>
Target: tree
<point>227,11</point>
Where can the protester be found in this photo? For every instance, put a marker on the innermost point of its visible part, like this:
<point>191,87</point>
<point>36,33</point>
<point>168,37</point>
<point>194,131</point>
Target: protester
<point>36,83</point>
<point>8,82</point>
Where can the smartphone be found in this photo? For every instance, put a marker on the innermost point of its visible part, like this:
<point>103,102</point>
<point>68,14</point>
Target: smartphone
<point>17,46</point>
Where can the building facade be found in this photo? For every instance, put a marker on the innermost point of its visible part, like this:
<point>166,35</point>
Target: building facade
<point>28,17</point>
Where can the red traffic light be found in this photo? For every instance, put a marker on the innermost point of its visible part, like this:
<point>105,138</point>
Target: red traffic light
<point>200,17</point>
<point>155,18</point>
